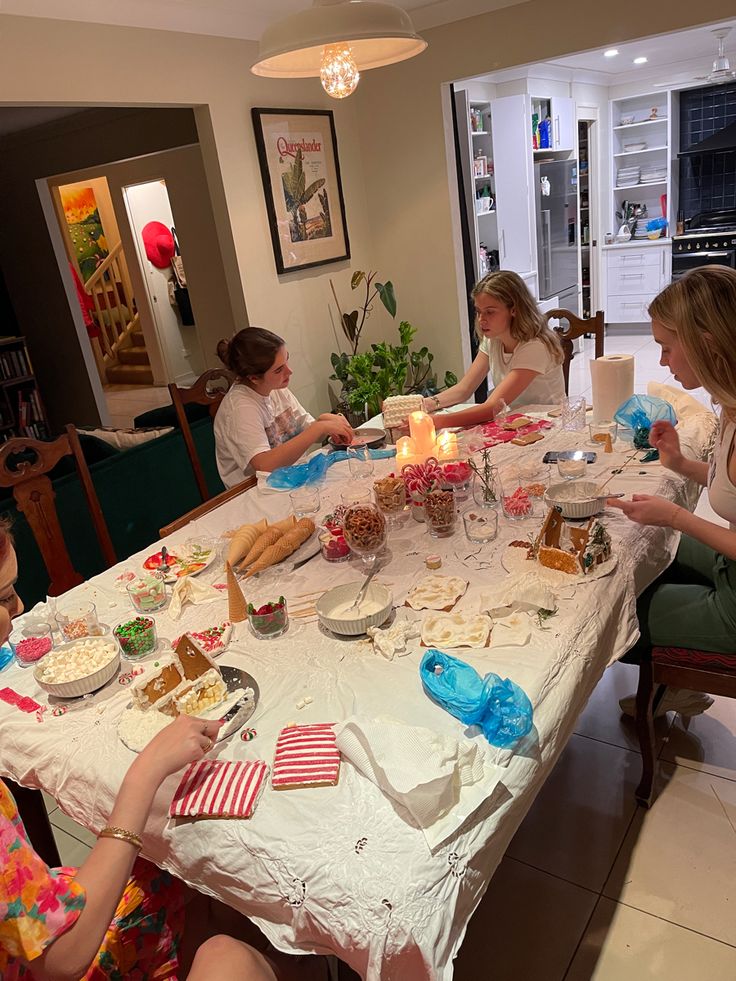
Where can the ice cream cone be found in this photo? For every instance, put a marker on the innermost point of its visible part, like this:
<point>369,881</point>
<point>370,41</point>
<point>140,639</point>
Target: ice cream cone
<point>237,607</point>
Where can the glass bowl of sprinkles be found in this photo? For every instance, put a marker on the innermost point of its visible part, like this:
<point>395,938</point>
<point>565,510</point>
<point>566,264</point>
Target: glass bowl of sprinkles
<point>32,642</point>
<point>136,637</point>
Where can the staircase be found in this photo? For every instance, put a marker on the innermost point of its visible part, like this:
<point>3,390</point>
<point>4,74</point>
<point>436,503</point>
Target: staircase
<point>120,352</point>
<point>133,367</point>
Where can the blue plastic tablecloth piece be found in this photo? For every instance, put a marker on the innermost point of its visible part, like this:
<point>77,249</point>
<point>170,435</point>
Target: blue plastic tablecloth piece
<point>501,709</point>
<point>289,478</point>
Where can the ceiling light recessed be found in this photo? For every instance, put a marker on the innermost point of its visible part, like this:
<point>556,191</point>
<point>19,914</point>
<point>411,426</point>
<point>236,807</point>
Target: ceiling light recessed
<point>611,53</point>
<point>641,60</point>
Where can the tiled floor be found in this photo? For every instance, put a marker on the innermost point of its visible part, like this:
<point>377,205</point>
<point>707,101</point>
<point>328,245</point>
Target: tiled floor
<point>593,887</point>
<point>125,402</point>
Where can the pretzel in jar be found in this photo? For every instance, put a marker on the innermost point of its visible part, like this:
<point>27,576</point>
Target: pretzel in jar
<point>364,528</point>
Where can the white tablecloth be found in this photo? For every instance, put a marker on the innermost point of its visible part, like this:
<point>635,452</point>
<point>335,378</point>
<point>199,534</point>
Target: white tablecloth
<point>341,870</point>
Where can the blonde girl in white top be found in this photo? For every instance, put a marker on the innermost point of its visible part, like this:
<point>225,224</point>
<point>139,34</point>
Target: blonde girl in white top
<point>693,605</point>
<point>522,354</point>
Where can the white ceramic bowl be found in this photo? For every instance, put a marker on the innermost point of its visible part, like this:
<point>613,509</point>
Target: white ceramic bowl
<point>575,498</point>
<point>80,686</point>
<point>334,598</point>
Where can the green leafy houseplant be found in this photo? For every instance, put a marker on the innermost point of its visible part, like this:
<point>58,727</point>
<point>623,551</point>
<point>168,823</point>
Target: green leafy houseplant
<point>369,377</point>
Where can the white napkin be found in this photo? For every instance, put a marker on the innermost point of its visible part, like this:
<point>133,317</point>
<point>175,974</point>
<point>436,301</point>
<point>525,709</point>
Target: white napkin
<point>437,778</point>
<point>512,631</point>
<point>188,590</point>
<point>526,588</point>
<point>393,640</point>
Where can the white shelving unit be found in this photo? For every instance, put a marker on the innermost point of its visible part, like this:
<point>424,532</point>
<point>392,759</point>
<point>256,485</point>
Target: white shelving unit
<point>475,145</point>
<point>655,124</point>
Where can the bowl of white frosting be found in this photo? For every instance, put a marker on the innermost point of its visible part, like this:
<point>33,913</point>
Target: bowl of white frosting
<point>80,667</point>
<point>333,608</point>
<point>576,498</point>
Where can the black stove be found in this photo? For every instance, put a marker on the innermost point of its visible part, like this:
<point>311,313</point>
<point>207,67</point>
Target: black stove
<point>710,239</point>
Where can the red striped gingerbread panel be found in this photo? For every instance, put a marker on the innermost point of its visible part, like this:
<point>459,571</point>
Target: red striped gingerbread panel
<point>306,756</point>
<point>219,788</point>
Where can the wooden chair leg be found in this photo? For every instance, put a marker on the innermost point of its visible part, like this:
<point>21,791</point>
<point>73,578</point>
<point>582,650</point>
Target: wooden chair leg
<point>32,810</point>
<point>645,697</point>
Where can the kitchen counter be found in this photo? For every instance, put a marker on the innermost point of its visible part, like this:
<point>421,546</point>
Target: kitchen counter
<point>639,244</point>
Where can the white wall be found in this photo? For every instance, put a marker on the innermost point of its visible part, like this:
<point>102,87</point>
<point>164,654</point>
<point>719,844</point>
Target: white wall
<point>180,346</point>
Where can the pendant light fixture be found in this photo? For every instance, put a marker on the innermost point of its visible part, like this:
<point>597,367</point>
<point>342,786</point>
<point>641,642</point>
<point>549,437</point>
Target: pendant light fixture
<point>336,40</point>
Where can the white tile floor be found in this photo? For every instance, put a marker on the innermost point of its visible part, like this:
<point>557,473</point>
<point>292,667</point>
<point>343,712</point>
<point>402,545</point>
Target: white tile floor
<point>593,887</point>
<point>125,402</point>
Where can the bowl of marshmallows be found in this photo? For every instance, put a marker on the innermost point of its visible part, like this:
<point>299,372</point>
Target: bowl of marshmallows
<point>78,668</point>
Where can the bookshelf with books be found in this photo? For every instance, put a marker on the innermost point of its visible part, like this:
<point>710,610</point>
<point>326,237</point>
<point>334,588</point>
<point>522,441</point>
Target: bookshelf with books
<point>21,408</point>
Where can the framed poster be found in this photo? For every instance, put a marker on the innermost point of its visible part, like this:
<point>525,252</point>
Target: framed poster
<point>297,152</point>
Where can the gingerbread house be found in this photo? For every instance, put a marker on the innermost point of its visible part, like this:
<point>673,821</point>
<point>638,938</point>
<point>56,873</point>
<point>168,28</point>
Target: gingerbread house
<point>569,549</point>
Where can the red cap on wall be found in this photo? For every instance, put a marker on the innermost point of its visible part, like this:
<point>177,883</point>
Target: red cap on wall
<point>159,244</point>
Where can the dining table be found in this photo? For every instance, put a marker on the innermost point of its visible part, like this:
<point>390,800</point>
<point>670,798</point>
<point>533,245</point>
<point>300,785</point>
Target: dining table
<point>345,869</point>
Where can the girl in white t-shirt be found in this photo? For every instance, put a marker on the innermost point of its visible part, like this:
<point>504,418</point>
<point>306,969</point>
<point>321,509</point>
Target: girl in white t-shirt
<point>260,425</point>
<point>522,354</point>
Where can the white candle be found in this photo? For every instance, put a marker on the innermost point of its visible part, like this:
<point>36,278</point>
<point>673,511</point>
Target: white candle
<point>422,432</point>
<point>405,452</point>
<point>447,447</point>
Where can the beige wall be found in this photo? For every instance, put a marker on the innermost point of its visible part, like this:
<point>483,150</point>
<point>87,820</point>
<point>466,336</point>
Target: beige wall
<point>393,137</point>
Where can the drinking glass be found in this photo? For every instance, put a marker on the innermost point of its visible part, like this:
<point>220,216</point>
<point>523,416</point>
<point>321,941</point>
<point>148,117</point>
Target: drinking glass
<point>77,619</point>
<point>481,525</point>
<point>600,432</point>
<point>355,493</point>
<point>390,496</point>
<point>359,462</point>
<point>572,416</point>
<point>518,505</point>
<point>440,513</point>
<point>305,501</point>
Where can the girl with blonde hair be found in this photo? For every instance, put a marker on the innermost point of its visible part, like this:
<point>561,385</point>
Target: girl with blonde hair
<point>693,604</point>
<point>523,356</point>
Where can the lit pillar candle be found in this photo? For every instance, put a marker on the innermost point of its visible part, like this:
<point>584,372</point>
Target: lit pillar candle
<point>405,452</point>
<point>422,432</point>
<point>447,446</point>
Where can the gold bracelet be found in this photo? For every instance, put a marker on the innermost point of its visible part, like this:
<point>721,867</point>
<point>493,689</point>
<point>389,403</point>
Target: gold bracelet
<point>122,835</point>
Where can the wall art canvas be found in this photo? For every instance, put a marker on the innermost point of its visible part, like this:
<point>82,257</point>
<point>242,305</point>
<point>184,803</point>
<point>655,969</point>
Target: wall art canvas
<point>85,229</point>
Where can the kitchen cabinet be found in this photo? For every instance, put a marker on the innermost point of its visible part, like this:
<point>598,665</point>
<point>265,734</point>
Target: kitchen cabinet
<point>634,275</point>
<point>513,164</point>
<point>563,123</point>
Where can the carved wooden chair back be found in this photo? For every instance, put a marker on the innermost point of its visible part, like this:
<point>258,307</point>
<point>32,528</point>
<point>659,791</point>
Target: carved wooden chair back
<point>209,389</point>
<point>577,327</point>
<point>34,497</point>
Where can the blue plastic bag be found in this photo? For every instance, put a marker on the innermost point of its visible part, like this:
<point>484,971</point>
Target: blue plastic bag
<point>501,709</point>
<point>640,412</point>
<point>289,478</point>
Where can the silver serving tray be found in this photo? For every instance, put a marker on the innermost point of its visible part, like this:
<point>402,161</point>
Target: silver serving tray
<point>236,717</point>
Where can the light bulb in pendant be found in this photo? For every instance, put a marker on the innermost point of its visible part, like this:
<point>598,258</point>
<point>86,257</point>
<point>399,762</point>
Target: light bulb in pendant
<point>339,73</point>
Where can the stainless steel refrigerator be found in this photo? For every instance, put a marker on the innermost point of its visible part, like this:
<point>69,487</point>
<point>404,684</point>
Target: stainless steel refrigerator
<point>556,196</point>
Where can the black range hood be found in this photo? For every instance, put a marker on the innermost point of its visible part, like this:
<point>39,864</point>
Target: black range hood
<point>720,142</point>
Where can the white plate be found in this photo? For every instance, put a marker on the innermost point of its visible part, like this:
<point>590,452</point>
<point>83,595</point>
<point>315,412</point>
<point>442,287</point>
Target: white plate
<point>183,560</point>
<point>236,714</point>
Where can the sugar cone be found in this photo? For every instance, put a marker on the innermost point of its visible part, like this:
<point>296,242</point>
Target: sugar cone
<point>237,607</point>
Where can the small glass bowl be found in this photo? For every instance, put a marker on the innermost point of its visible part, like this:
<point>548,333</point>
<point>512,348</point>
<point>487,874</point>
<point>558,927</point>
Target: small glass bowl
<point>355,493</point>
<point>268,625</point>
<point>518,506</point>
<point>571,469</point>
<point>147,594</point>
<point>334,547</point>
<point>601,431</point>
<point>32,643</point>
<point>440,513</point>
<point>77,619</point>
<point>136,638</point>
<point>305,501</point>
<point>481,525</point>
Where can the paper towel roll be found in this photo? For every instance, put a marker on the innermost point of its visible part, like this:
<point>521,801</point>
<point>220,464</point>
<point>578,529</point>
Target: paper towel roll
<point>613,383</point>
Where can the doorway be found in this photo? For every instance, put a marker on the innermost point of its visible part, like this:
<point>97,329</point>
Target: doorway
<point>153,226</point>
<point>589,192</point>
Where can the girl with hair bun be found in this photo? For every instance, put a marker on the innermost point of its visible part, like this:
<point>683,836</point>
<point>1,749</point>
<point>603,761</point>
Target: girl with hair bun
<point>693,603</point>
<point>522,354</point>
<point>260,425</point>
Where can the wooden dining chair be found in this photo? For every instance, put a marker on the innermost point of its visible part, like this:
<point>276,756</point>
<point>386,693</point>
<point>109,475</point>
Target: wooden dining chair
<point>692,670</point>
<point>577,327</point>
<point>24,467</point>
<point>214,502</point>
<point>209,389</point>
